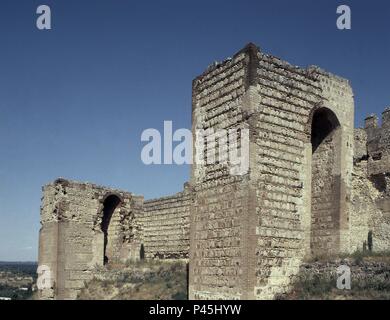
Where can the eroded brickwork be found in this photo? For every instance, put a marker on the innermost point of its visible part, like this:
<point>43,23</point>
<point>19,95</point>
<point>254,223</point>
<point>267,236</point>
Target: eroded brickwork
<point>218,248</point>
<point>325,213</point>
<point>72,241</point>
<point>315,186</point>
<point>296,194</point>
<point>218,217</point>
<point>371,189</point>
<point>165,226</point>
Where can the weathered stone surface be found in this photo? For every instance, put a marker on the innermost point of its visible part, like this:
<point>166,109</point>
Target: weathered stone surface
<point>315,186</point>
<point>290,204</point>
<point>371,185</point>
<point>165,226</point>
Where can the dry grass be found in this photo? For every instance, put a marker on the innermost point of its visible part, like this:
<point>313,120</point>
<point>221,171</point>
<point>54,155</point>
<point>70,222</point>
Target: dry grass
<point>320,286</point>
<point>152,280</point>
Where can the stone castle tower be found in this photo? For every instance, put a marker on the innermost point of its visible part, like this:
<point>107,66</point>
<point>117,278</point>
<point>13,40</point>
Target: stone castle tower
<point>315,186</point>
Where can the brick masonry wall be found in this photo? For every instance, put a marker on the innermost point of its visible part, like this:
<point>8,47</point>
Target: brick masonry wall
<point>378,147</point>
<point>276,101</point>
<point>378,144</point>
<point>364,194</point>
<point>72,240</point>
<point>218,229</point>
<point>165,226</point>
<point>245,236</point>
<point>217,99</point>
<point>284,97</point>
<point>371,185</point>
<point>218,259</point>
<point>283,169</point>
<point>71,237</point>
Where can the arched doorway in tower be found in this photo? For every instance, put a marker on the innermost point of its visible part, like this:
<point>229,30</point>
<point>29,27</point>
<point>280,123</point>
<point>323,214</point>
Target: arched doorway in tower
<point>111,227</point>
<point>325,183</point>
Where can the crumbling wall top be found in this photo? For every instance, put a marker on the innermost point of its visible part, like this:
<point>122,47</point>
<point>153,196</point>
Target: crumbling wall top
<point>87,185</point>
<point>251,49</point>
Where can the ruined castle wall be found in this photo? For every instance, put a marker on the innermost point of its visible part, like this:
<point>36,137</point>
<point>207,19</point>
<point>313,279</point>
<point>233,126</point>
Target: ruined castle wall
<point>72,241</point>
<point>216,105</point>
<point>381,225</point>
<point>365,198</point>
<point>360,145</point>
<point>314,186</point>
<point>378,144</point>
<point>284,98</point>
<point>218,220</point>
<point>276,101</point>
<point>218,248</point>
<point>337,95</point>
<point>165,226</point>
<point>378,171</point>
<point>77,235</point>
<point>370,220</point>
<point>364,194</point>
<point>325,196</point>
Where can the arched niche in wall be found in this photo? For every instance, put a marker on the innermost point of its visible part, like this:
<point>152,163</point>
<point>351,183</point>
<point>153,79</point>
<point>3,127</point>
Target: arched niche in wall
<point>325,139</point>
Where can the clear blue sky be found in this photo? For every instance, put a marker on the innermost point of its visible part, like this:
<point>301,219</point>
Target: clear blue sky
<point>75,100</point>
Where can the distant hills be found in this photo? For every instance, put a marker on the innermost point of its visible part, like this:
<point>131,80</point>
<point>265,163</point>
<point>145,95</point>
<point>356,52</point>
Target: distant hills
<point>18,262</point>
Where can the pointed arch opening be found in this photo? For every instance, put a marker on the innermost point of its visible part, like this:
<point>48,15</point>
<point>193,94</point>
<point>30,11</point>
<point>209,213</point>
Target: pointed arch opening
<point>325,182</point>
<point>110,226</point>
